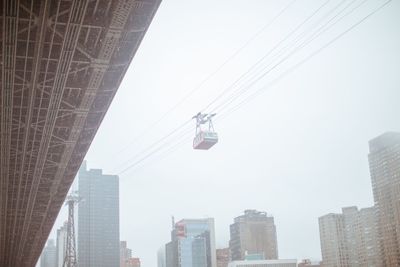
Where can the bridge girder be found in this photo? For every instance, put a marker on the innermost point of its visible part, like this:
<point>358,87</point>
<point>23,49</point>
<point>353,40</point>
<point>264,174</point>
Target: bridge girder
<point>61,63</point>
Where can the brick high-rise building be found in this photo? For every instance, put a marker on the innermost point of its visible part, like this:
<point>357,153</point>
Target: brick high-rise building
<point>253,233</point>
<point>333,241</point>
<point>384,163</point>
<point>369,243</point>
<point>349,239</point>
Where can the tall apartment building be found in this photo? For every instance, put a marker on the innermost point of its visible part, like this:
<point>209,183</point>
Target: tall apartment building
<point>48,257</point>
<point>349,239</point>
<point>384,163</point>
<point>369,243</point>
<point>253,233</point>
<point>333,242</point>
<point>61,244</point>
<point>192,244</point>
<point>98,219</point>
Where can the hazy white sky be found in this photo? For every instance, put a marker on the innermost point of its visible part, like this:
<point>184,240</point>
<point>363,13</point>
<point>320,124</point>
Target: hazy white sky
<point>297,151</point>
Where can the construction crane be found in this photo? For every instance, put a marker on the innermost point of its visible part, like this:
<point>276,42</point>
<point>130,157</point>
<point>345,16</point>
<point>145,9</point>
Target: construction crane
<point>70,259</point>
<point>204,138</point>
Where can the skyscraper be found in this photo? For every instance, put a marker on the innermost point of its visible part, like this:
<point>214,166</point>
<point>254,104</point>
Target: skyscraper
<point>333,241</point>
<point>350,238</point>
<point>192,244</point>
<point>98,219</point>
<point>384,164</point>
<point>48,257</point>
<point>253,233</point>
<point>61,244</point>
<point>369,246</point>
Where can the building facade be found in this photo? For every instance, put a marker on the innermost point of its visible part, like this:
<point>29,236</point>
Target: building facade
<point>61,244</point>
<point>253,233</point>
<point>309,263</point>
<point>223,257</point>
<point>369,242</point>
<point>98,219</point>
<point>264,263</point>
<point>161,257</point>
<point>192,244</point>
<point>333,244</point>
<point>384,164</point>
<point>171,254</point>
<point>48,257</point>
<point>125,253</point>
<point>349,239</point>
<point>133,262</point>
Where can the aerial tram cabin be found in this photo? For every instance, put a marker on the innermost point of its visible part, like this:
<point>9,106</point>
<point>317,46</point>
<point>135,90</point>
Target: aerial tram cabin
<point>204,139</point>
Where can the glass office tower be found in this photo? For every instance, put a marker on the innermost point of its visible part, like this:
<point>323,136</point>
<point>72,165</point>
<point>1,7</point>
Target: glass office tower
<point>192,244</point>
<point>98,219</point>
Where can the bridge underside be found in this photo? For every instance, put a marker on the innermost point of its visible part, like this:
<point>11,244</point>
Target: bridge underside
<point>61,62</point>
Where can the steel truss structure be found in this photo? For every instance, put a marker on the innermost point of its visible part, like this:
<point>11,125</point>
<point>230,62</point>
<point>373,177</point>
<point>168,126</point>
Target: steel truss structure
<point>70,259</point>
<point>61,63</point>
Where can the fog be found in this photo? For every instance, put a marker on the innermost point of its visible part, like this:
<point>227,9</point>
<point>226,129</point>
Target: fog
<point>297,151</point>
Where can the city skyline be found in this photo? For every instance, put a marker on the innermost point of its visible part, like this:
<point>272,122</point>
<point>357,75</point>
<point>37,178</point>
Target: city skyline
<point>318,122</point>
<point>231,133</point>
<point>309,133</point>
<point>368,237</point>
<point>330,223</point>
